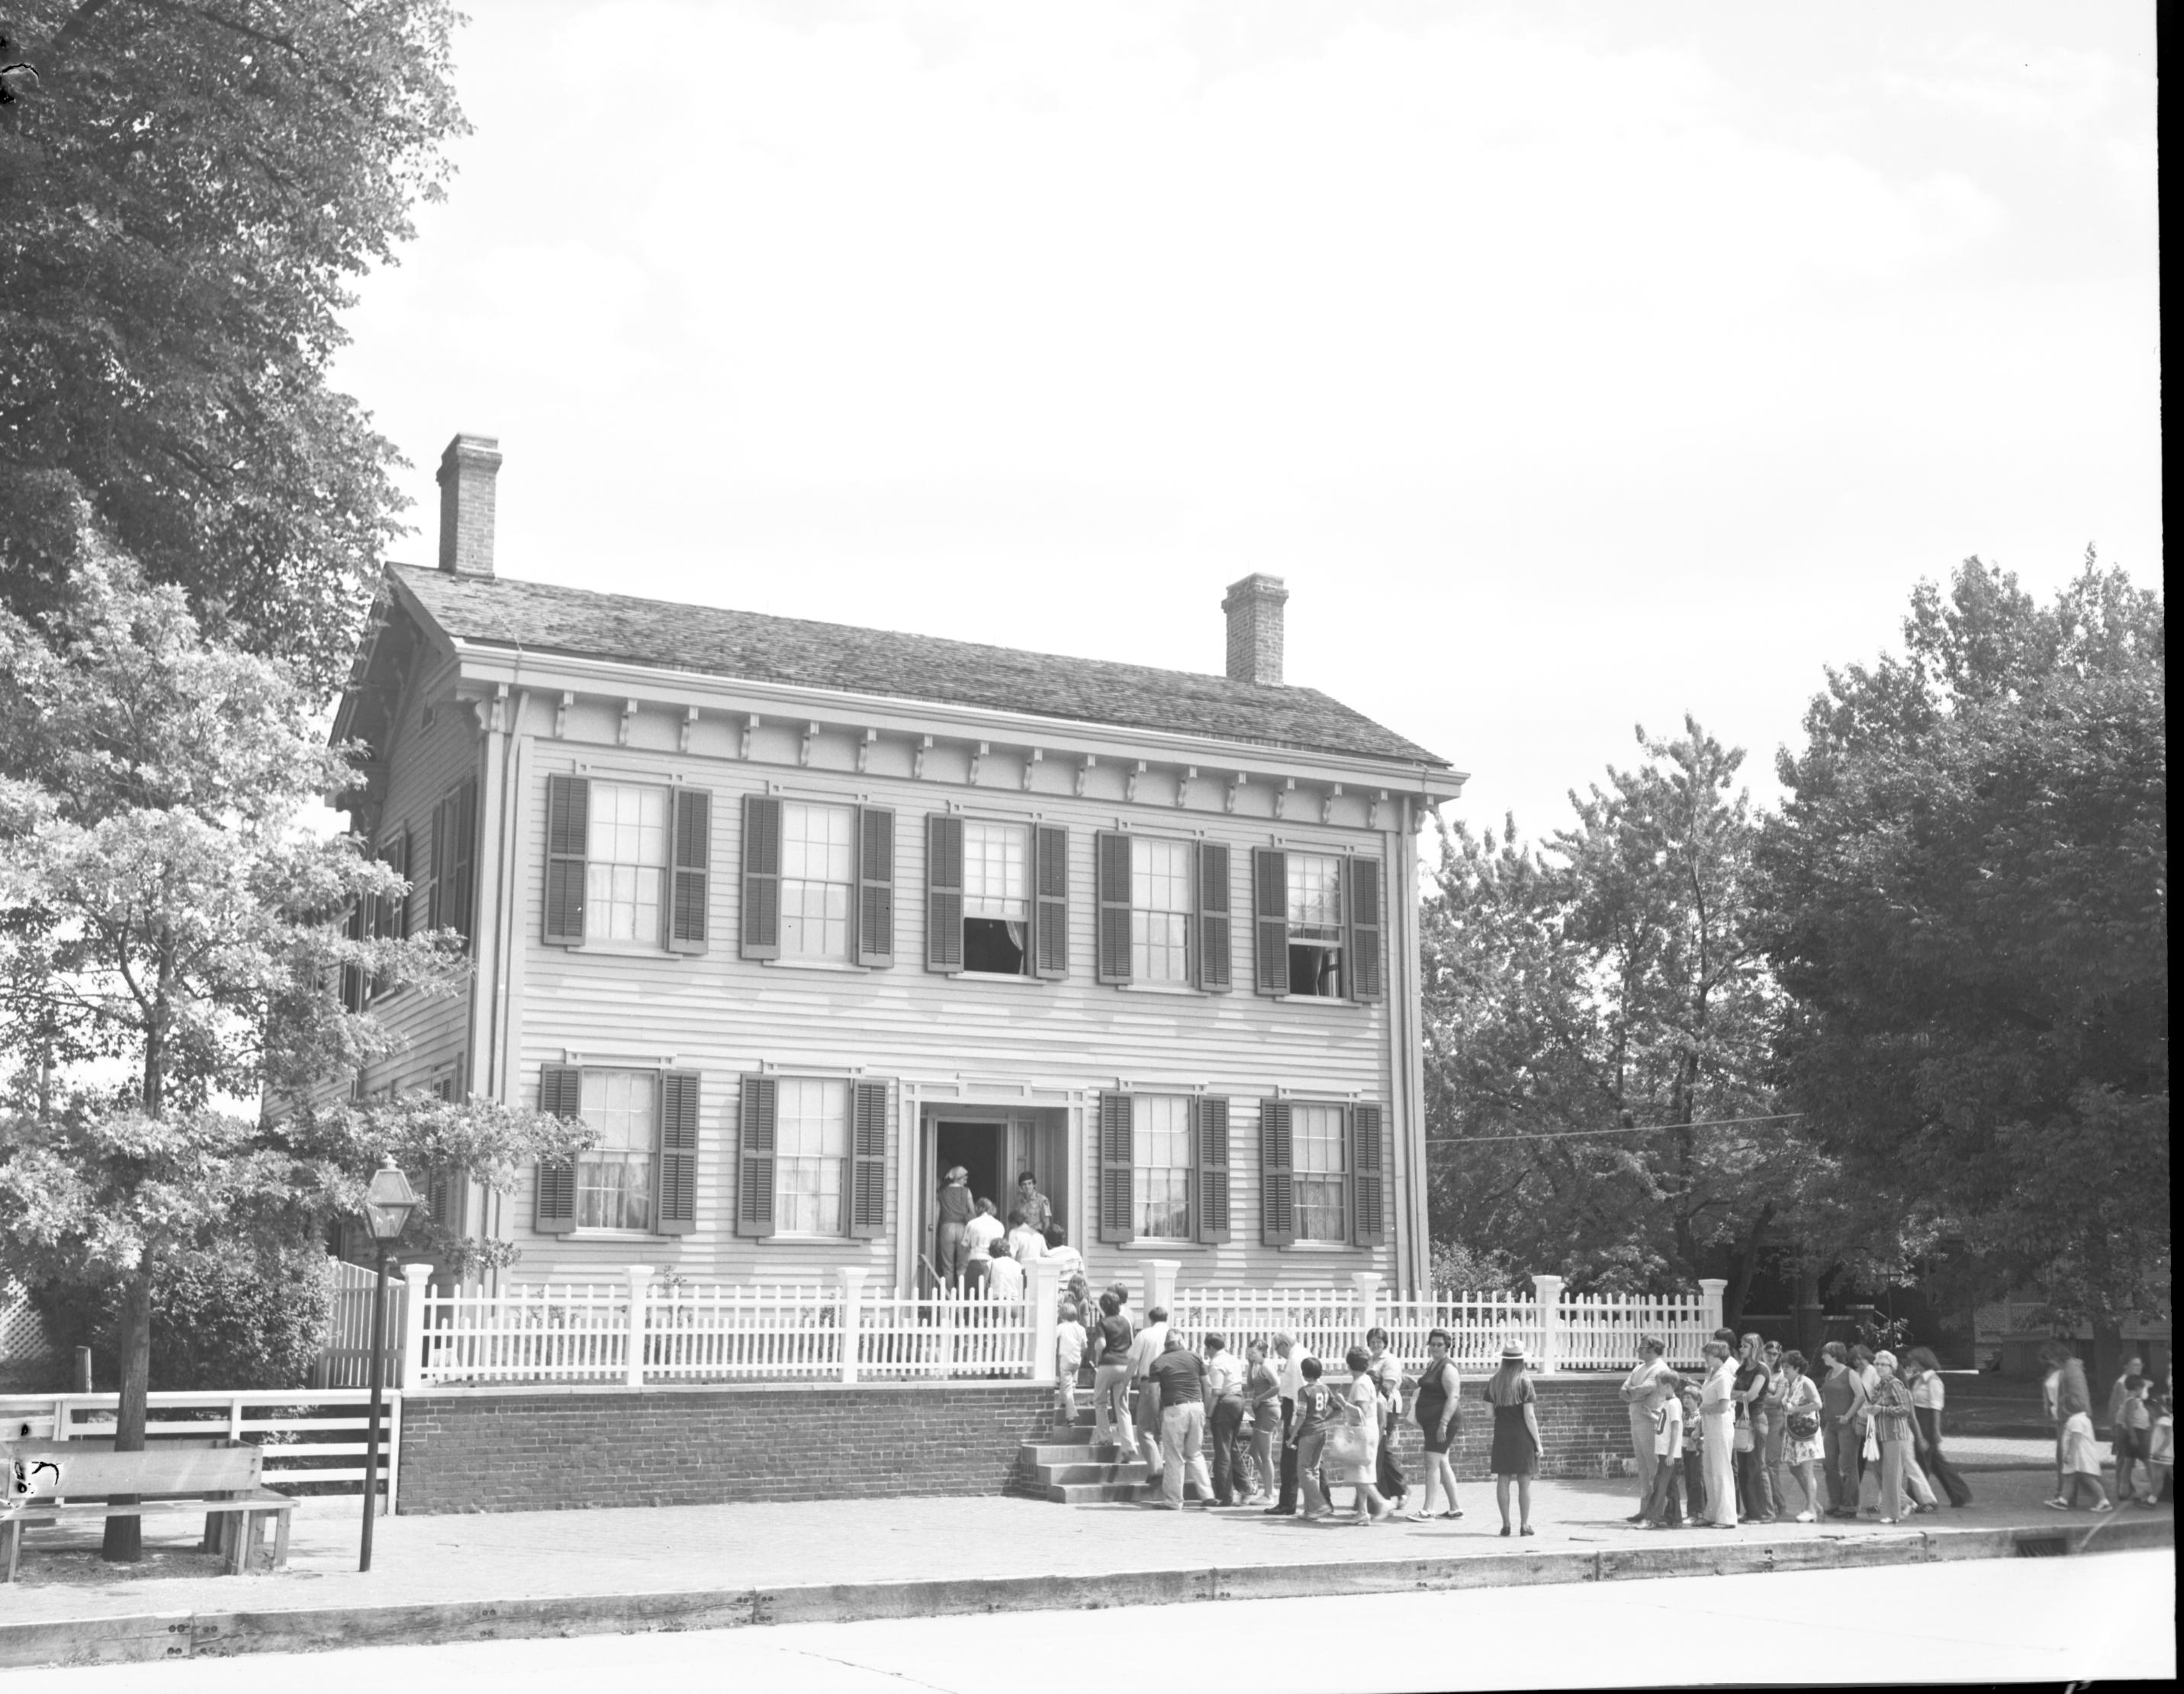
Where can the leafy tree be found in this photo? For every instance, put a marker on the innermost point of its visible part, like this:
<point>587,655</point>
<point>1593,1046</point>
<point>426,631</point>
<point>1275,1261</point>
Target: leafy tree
<point>1972,875</point>
<point>161,914</point>
<point>1615,982</point>
<point>185,192</point>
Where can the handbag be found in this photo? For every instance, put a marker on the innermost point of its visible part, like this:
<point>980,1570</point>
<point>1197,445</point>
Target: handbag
<point>1872,1448</point>
<point>1742,1440</point>
<point>1804,1425</point>
<point>1348,1444</point>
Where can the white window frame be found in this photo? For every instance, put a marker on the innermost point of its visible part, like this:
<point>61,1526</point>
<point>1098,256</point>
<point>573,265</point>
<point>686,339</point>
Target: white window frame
<point>650,1131</point>
<point>1183,916</point>
<point>845,1106</point>
<point>1026,837</point>
<point>1300,1173</point>
<point>664,794</point>
<point>1335,936</point>
<point>1142,1107</point>
<point>844,955</point>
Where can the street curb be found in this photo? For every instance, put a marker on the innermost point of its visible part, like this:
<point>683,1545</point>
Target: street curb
<point>214,1633</point>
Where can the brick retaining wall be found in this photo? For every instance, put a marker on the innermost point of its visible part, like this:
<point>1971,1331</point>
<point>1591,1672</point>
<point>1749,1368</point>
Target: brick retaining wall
<point>557,1449</point>
<point>551,1450</point>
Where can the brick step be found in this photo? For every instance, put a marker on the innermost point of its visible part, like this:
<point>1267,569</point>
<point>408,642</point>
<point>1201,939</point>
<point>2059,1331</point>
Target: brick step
<point>1068,1452</point>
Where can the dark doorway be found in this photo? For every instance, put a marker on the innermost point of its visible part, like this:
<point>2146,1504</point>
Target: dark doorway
<point>981,1149</point>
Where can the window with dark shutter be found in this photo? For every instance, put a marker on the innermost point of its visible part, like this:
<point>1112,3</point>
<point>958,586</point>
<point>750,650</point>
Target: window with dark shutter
<point>462,869</point>
<point>1276,1175</point>
<point>755,1154</point>
<point>354,979</point>
<point>1116,1187</point>
<point>1270,910</point>
<point>1213,922</point>
<point>867,1159</point>
<point>1051,909</point>
<point>762,902</point>
<point>391,921</point>
<point>693,858</point>
<point>568,822</point>
<point>1210,1138</point>
<point>944,892</point>
<point>561,1094</point>
<point>1368,1185</point>
<point>1362,955</point>
<point>1111,868</point>
<point>675,1202</point>
<point>875,919</point>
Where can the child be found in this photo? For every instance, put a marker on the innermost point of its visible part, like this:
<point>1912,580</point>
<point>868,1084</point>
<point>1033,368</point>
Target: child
<point>2161,1453</point>
<point>2134,1426</point>
<point>1664,1501</point>
<point>1694,1458</point>
<point>1315,1415</point>
<point>1068,1358</point>
<point>2082,1465</point>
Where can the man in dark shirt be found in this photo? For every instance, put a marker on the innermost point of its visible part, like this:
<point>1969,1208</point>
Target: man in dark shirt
<point>1180,1375</point>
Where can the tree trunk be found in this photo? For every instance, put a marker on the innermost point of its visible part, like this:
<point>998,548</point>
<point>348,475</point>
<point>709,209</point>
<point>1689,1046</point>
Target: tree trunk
<point>1810,1331</point>
<point>125,1536</point>
<point>2106,1361</point>
<point>1741,1268</point>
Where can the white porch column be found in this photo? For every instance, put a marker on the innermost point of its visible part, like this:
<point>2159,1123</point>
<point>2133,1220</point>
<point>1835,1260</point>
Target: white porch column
<point>1547,1297</point>
<point>1043,1288</point>
<point>414,1279</point>
<point>853,1303</point>
<point>1368,1284</point>
<point>1711,1289</point>
<point>632,1364</point>
<point>1159,1283</point>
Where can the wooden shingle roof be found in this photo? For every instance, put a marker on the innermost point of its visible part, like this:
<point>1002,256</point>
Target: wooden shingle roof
<point>541,617</point>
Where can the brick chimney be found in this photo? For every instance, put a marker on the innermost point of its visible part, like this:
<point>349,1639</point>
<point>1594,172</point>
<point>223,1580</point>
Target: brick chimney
<point>1254,606</point>
<point>467,471</point>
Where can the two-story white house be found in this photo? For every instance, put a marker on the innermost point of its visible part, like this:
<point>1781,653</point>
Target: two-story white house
<point>797,916</point>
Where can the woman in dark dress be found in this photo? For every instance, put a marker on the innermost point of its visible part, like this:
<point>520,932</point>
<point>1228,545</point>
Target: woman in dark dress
<point>1516,1442</point>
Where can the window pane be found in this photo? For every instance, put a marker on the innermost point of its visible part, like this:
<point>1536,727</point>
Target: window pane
<point>818,862</point>
<point>995,880</point>
<point>613,1180</point>
<point>1160,911</point>
<point>1160,1166</point>
<point>1315,896</point>
<point>626,851</point>
<point>1316,1132</point>
<point>811,1128</point>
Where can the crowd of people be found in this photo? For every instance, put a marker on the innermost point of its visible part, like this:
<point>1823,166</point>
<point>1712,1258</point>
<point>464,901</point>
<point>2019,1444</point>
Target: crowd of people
<point>1268,1428</point>
<point>977,1250</point>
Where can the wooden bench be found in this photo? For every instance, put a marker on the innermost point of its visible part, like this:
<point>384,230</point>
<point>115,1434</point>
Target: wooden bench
<point>52,1482</point>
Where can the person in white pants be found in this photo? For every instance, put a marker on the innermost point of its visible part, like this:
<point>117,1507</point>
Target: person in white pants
<point>1717,1406</point>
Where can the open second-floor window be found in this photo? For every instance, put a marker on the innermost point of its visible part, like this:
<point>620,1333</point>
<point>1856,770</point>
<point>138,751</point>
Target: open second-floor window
<point>1316,925</point>
<point>996,897</point>
<point>1163,910</point>
<point>641,1174</point>
<point>626,863</point>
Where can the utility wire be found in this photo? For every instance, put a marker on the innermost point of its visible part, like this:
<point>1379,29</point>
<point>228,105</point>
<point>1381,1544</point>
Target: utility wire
<point>1640,1129</point>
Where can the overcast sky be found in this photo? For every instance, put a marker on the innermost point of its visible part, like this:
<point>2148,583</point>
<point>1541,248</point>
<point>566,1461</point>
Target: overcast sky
<point>1576,365</point>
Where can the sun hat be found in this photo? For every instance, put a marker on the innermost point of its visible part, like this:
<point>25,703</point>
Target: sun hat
<point>955,1170</point>
<point>1513,1352</point>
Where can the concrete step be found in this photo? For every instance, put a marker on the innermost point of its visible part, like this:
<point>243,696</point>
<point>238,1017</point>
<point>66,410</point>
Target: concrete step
<point>1069,1452</point>
<point>1127,1473</point>
<point>1109,1493</point>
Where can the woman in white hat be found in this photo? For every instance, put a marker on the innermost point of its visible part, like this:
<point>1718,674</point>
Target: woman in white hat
<point>1517,1444</point>
<point>956,1209</point>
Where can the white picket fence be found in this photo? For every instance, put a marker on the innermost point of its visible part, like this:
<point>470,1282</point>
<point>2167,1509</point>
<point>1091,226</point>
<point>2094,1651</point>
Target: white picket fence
<point>641,1331</point>
<point>345,1360</point>
<point>310,1436</point>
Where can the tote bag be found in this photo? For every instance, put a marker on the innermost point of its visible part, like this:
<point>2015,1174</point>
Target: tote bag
<point>1348,1444</point>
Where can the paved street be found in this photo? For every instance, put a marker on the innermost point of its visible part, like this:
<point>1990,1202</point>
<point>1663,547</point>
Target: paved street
<point>2101,1617</point>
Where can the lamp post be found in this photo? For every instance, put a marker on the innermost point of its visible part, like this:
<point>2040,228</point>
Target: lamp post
<point>387,1204</point>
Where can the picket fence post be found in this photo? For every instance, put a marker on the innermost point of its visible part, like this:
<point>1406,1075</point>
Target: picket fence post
<point>1547,1305</point>
<point>1711,1289</point>
<point>632,1364</point>
<point>1159,1283</point>
<point>853,1302</point>
<point>1368,1284</point>
<point>1045,1277</point>
<point>414,1279</point>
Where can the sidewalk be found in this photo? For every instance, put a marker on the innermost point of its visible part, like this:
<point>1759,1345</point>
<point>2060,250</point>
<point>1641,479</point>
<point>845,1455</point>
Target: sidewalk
<point>458,1578</point>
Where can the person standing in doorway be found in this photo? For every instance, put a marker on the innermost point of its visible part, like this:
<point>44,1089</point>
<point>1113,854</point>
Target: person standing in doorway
<point>1642,1392</point>
<point>980,1237</point>
<point>1436,1407</point>
<point>1037,1209</point>
<point>1516,1452</point>
<point>956,1210</point>
<point>1023,1244</point>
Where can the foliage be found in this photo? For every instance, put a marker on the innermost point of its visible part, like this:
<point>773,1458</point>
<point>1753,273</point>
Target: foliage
<point>252,1315</point>
<point>1457,1269</point>
<point>161,909</point>
<point>1615,982</point>
<point>185,193</point>
<point>1972,870</point>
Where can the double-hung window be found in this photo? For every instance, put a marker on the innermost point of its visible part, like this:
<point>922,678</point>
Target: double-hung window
<point>818,882</point>
<point>640,1173</point>
<point>628,864</point>
<point>811,1156</point>
<point>818,879</point>
<point>1163,910</point>
<point>1316,925</point>
<point>996,897</point>
<point>1322,1173</point>
<point>1163,1167</point>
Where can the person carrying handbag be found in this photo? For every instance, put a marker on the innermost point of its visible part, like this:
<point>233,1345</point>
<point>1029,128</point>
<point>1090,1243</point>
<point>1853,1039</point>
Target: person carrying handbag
<point>1352,1448</point>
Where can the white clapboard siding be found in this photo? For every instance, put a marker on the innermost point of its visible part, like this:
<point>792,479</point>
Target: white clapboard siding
<point>722,1016</point>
